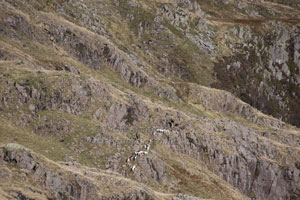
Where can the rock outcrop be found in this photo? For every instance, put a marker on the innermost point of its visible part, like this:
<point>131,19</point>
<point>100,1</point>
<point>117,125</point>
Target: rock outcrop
<point>58,181</point>
<point>255,166</point>
<point>112,100</point>
<point>266,73</point>
<point>58,186</point>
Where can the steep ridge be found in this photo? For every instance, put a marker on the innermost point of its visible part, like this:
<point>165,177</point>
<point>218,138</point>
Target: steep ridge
<point>66,180</point>
<point>109,100</point>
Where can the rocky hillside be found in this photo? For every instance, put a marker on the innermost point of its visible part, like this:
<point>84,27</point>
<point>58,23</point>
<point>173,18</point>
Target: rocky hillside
<point>149,99</point>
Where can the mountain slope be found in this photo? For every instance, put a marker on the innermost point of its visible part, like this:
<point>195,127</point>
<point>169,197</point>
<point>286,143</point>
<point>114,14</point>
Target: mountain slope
<point>85,85</point>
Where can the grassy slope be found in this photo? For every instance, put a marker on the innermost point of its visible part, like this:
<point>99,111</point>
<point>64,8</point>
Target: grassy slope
<point>200,183</point>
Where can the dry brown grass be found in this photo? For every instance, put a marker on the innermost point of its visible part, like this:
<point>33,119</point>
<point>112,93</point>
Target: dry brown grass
<point>254,21</point>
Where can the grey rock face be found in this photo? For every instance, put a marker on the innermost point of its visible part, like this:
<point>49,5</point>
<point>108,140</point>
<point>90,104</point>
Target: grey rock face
<point>1,155</point>
<point>228,103</point>
<point>167,92</point>
<point>121,116</point>
<point>52,127</point>
<point>17,22</point>
<point>19,155</point>
<point>60,184</point>
<point>81,48</point>
<point>204,44</point>
<point>113,163</point>
<point>178,17</point>
<point>252,166</point>
<point>116,117</point>
<point>270,64</point>
<point>191,5</point>
<point>103,54</point>
<point>297,50</point>
<point>54,183</point>
<point>73,187</point>
<point>153,168</point>
<point>49,97</point>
